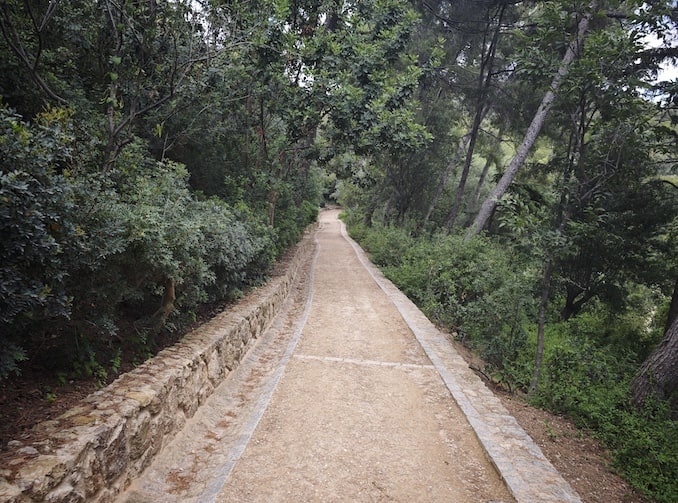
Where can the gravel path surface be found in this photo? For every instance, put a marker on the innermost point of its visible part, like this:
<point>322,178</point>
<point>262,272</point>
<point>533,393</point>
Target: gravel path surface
<point>336,402</point>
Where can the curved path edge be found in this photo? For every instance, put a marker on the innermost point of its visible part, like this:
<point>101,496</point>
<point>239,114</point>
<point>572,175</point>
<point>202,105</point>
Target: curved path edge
<point>527,473</point>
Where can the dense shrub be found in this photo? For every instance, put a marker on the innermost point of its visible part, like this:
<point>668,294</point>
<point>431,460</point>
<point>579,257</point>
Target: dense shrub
<point>87,251</point>
<point>291,219</point>
<point>387,245</point>
<point>587,378</point>
<point>355,226</point>
<point>644,446</point>
<point>37,228</point>
<point>472,287</point>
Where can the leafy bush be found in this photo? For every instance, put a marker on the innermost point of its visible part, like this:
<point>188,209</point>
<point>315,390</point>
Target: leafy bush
<point>291,219</point>
<point>583,381</point>
<point>644,447</point>
<point>386,245</point>
<point>589,385</point>
<point>472,287</point>
<point>355,226</point>
<point>588,379</point>
<point>307,214</point>
<point>237,254</point>
<point>10,356</point>
<point>85,252</point>
<point>38,232</point>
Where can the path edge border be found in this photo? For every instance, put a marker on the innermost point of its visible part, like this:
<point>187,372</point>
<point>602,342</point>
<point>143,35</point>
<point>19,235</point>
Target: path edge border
<point>527,473</point>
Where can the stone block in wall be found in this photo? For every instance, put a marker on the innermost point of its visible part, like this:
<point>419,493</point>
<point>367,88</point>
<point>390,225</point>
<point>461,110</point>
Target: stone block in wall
<point>115,454</point>
<point>231,354</point>
<point>140,435</point>
<point>215,371</point>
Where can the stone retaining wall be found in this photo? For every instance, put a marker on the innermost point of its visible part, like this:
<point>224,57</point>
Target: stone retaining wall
<point>92,452</point>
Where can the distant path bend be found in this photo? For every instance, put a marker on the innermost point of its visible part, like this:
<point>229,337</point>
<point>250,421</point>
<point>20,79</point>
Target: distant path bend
<point>351,395</point>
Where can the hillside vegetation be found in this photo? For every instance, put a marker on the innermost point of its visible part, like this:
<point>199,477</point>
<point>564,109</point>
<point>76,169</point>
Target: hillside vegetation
<point>511,165</point>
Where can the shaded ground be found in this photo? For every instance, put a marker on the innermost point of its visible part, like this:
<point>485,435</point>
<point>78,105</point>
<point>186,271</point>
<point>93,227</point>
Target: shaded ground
<point>583,463</point>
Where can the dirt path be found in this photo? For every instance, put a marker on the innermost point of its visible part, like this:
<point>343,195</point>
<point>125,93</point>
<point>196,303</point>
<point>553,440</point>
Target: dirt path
<point>337,402</point>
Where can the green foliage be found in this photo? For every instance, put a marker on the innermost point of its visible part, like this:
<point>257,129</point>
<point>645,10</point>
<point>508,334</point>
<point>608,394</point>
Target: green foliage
<point>370,105</point>
<point>577,379</point>
<point>201,245</point>
<point>89,366</point>
<point>124,105</point>
<point>87,252</point>
<point>644,451</point>
<point>474,288</point>
<point>387,245</point>
<point>590,385</point>
<point>10,356</point>
<point>589,363</point>
<point>35,206</point>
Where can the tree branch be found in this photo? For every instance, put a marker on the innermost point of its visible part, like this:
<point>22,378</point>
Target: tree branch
<point>11,36</point>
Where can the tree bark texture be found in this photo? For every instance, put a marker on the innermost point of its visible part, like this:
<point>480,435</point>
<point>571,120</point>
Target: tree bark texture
<point>481,181</point>
<point>673,307</point>
<point>159,318</point>
<point>445,176</point>
<point>658,375</point>
<point>482,107</point>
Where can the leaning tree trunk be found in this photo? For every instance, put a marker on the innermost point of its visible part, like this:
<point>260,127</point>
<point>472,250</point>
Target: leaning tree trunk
<point>475,199</point>
<point>573,50</point>
<point>658,375</point>
<point>444,177</point>
<point>459,193</point>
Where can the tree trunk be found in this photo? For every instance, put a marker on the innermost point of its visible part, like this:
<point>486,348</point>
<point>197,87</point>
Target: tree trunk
<point>482,106</point>
<point>575,298</point>
<point>479,186</point>
<point>658,375</point>
<point>159,318</point>
<point>534,129</point>
<point>445,176</point>
<point>539,355</point>
<point>673,307</point>
<point>369,211</point>
<point>454,212</point>
<point>481,180</point>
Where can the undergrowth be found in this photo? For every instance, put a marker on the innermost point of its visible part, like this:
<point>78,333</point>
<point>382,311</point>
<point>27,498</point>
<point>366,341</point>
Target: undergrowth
<point>479,291</point>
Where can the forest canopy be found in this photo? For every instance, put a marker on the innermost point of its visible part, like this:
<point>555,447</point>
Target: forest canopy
<point>511,165</point>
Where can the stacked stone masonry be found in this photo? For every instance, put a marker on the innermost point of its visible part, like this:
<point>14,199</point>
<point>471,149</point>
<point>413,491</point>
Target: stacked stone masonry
<point>93,451</point>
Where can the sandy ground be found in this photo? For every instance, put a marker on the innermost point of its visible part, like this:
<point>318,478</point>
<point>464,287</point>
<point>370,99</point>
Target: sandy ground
<point>337,402</point>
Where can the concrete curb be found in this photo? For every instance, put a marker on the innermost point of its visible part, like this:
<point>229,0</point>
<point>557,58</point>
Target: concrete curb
<point>529,476</point>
